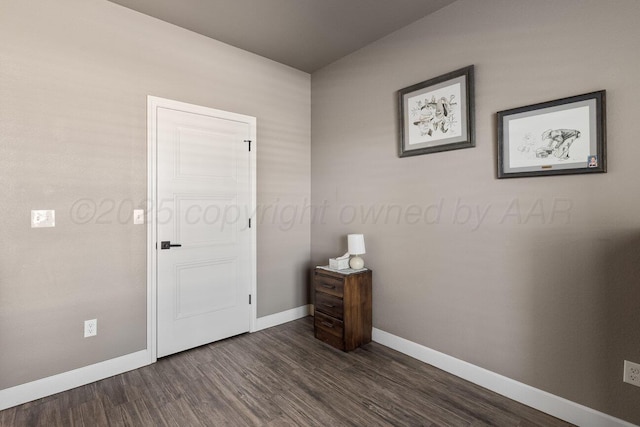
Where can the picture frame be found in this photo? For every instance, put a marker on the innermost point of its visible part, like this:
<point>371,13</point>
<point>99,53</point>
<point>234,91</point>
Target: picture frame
<point>437,114</point>
<point>560,137</point>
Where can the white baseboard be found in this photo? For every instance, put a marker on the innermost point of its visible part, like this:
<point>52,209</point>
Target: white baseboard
<point>23,393</point>
<point>530,396</point>
<point>282,317</point>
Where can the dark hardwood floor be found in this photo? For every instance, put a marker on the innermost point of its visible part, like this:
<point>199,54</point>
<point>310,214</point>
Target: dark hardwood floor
<point>279,377</point>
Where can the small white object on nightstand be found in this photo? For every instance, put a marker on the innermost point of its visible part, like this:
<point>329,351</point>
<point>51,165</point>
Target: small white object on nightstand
<point>356,247</point>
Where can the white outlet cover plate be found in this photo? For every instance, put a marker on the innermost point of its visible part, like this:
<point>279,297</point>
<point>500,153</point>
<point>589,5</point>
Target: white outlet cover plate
<point>90,328</point>
<point>138,216</point>
<point>631,373</point>
<point>42,218</point>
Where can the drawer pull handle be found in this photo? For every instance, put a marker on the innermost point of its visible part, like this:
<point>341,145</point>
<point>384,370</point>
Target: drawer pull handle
<point>328,305</point>
<point>329,286</point>
<point>327,324</point>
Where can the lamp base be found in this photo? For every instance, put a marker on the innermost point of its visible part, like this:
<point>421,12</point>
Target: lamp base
<point>356,263</point>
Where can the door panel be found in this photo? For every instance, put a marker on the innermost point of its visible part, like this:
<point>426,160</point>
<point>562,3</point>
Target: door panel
<point>195,296</point>
<point>206,208</point>
<point>204,205</point>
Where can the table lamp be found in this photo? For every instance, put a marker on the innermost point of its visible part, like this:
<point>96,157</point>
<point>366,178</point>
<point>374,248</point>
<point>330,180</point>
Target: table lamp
<point>356,247</point>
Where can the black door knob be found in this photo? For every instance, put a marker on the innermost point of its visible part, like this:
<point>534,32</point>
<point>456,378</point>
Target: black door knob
<point>167,245</point>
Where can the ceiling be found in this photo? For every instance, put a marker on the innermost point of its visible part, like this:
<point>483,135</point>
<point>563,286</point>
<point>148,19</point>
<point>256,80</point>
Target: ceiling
<point>304,34</point>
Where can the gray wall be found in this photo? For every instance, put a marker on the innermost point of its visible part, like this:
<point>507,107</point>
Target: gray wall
<point>544,289</point>
<point>74,77</point>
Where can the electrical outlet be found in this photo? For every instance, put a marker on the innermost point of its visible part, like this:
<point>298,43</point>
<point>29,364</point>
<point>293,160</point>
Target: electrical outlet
<point>90,328</point>
<point>631,373</point>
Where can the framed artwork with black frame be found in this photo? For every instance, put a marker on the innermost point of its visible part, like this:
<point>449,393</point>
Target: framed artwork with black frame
<point>565,136</point>
<point>437,114</point>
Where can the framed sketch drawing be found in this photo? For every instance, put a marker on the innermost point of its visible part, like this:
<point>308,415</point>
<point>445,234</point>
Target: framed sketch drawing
<point>437,114</point>
<point>565,136</point>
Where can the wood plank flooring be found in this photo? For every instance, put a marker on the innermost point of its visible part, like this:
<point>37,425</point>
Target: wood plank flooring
<point>279,377</point>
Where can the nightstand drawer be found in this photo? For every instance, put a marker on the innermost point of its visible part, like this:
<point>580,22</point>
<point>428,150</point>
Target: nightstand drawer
<point>328,325</point>
<point>332,340</point>
<point>329,304</point>
<point>329,284</point>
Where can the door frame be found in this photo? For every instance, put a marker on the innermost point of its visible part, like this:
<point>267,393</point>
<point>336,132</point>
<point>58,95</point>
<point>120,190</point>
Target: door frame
<point>153,103</point>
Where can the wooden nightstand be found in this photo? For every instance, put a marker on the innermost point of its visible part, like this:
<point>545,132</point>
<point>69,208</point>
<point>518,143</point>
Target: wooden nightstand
<point>342,308</point>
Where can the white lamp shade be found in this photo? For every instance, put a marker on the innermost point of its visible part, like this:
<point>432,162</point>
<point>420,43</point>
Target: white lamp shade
<point>356,244</point>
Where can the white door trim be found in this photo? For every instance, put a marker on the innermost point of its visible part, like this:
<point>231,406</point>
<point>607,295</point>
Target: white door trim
<point>153,103</point>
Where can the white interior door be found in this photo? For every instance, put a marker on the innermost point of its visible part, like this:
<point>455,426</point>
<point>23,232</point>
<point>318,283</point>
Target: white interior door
<point>203,209</point>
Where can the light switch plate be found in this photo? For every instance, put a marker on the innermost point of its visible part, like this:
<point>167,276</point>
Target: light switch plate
<point>138,216</point>
<point>43,218</point>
